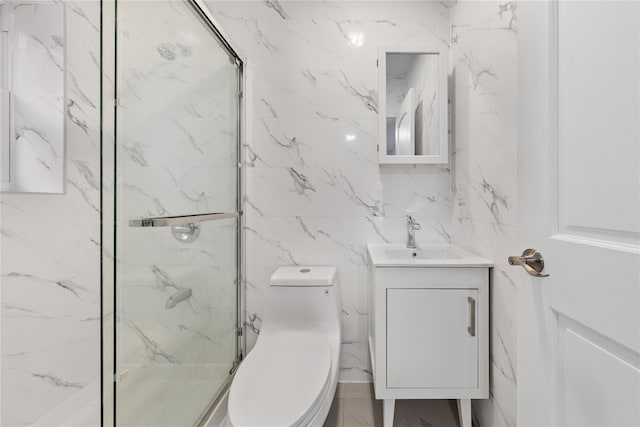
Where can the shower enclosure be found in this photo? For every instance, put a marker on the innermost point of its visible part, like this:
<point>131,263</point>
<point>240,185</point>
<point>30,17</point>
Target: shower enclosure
<point>172,213</point>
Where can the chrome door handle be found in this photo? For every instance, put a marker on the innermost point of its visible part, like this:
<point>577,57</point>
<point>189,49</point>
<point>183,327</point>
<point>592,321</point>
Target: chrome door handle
<point>532,262</point>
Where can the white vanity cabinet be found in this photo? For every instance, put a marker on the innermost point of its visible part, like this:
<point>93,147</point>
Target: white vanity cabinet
<point>428,333</point>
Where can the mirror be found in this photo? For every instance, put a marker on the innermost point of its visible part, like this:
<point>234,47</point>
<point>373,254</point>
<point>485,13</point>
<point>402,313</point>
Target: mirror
<point>413,106</point>
<point>32,96</point>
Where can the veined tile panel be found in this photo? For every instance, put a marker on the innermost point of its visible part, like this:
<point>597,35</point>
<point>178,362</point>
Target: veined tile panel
<point>50,263</point>
<point>290,91</point>
<point>344,33</point>
<point>485,160</point>
<point>315,193</point>
<point>314,142</point>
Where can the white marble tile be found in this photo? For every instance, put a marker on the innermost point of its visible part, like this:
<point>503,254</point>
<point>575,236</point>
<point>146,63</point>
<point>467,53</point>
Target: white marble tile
<point>286,92</point>
<point>419,190</point>
<point>354,291</point>
<point>354,327</point>
<point>50,256</point>
<point>313,142</point>
<point>78,411</point>
<point>355,364</point>
<point>307,240</point>
<point>489,192</point>
<point>315,192</point>
<point>330,32</point>
<point>485,176</point>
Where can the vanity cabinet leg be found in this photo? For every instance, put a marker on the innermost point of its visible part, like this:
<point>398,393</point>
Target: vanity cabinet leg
<point>464,412</point>
<point>388,407</point>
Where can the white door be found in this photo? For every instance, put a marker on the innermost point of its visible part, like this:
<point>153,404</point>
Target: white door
<point>579,205</point>
<point>405,126</point>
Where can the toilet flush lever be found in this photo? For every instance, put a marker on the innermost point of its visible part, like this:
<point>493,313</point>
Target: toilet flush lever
<point>532,262</point>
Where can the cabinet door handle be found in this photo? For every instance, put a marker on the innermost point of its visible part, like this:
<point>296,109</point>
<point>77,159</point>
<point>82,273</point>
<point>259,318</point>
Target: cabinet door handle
<point>472,317</point>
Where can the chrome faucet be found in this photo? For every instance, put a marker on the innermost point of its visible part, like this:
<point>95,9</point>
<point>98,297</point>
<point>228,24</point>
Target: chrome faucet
<point>412,226</point>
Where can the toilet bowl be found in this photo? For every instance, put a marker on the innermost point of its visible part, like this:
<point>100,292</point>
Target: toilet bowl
<point>290,376</point>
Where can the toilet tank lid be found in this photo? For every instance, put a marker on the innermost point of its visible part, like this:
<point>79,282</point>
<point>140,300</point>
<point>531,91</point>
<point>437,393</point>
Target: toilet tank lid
<point>301,275</point>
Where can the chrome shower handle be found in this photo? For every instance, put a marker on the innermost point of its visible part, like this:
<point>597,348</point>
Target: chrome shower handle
<point>532,262</point>
<point>169,221</point>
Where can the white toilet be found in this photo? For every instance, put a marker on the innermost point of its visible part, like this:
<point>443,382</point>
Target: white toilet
<point>290,376</point>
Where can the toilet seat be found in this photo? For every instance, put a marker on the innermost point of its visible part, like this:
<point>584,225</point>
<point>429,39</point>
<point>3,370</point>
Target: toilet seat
<point>281,381</point>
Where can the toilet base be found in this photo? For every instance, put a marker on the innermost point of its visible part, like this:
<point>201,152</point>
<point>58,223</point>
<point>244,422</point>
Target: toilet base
<point>323,404</point>
<point>318,419</point>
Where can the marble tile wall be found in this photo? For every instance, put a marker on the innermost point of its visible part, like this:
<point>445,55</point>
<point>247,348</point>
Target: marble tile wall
<point>484,162</point>
<point>314,191</point>
<point>50,259</point>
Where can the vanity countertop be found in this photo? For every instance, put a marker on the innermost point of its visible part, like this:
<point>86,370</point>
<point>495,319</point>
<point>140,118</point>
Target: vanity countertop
<point>425,255</point>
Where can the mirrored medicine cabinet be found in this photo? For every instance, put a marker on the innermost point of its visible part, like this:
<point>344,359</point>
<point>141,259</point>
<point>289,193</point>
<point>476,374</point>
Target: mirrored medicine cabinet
<point>413,106</point>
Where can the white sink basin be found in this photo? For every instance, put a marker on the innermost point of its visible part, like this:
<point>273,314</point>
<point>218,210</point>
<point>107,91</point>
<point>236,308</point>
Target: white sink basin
<point>432,255</point>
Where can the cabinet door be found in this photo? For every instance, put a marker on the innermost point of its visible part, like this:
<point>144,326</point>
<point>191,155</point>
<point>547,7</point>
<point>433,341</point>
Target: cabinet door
<point>429,344</point>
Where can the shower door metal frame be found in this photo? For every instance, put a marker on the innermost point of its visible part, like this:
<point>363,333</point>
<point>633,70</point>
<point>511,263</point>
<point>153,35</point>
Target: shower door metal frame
<point>203,10</point>
<point>108,10</point>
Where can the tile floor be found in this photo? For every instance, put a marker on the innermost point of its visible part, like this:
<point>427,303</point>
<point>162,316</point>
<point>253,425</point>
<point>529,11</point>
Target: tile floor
<point>355,406</point>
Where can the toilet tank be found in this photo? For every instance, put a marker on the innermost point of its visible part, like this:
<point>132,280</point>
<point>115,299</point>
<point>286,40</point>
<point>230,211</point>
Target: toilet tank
<point>304,276</point>
<point>304,298</point>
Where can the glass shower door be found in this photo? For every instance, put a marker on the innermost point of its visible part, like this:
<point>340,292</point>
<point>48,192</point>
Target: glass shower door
<point>177,213</point>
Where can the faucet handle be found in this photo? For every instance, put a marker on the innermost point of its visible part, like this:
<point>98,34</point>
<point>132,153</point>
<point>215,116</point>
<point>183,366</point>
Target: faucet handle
<point>412,222</point>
